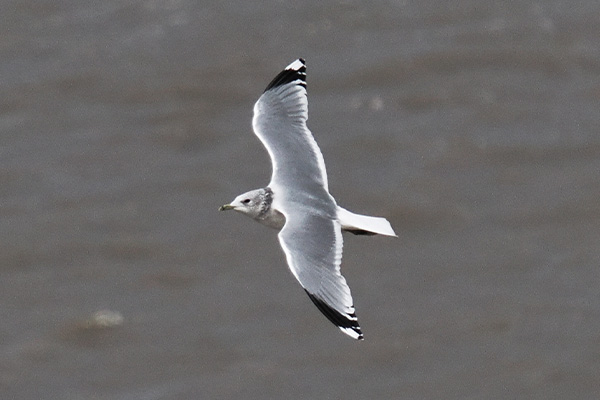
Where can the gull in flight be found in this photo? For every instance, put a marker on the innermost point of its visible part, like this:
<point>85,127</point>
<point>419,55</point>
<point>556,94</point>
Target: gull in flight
<point>297,201</point>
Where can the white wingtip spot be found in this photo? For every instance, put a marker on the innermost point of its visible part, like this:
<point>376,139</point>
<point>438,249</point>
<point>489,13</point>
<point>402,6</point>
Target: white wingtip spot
<point>352,333</point>
<point>296,65</point>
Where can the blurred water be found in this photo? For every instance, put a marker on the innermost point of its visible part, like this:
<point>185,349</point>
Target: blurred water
<point>473,126</point>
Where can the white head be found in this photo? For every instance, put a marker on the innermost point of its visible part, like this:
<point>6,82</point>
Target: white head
<point>254,203</point>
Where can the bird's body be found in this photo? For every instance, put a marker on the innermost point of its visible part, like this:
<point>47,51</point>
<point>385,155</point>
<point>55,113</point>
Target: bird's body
<point>297,200</point>
<point>258,205</point>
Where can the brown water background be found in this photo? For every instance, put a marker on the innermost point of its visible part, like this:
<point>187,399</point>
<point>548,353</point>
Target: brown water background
<point>474,126</point>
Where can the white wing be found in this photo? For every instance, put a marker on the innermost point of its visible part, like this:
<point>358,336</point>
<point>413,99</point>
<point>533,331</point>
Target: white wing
<point>313,248</point>
<point>279,121</point>
<point>311,237</point>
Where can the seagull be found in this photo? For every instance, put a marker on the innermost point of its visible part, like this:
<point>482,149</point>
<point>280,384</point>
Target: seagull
<point>297,201</point>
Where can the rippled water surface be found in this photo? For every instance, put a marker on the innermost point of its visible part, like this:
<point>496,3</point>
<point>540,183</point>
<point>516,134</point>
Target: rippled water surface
<point>473,126</point>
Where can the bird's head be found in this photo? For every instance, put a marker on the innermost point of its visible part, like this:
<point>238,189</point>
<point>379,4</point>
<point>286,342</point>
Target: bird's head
<point>251,203</point>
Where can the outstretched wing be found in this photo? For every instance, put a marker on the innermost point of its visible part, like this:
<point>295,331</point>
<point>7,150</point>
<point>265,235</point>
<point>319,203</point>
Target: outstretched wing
<point>279,121</point>
<point>311,237</point>
<point>313,248</point>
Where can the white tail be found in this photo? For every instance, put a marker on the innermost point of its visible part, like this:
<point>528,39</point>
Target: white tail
<point>364,225</point>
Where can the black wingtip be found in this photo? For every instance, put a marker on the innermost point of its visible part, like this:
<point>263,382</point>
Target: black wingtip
<point>296,71</point>
<point>347,323</point>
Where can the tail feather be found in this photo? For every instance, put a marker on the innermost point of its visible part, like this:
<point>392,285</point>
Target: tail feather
<point>364,225</point>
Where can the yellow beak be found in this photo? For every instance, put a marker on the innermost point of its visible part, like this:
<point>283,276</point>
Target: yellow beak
<point>226,207</point>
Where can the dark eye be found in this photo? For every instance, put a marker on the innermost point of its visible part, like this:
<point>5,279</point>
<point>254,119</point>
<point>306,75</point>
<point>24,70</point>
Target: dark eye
<point>246,201</point>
